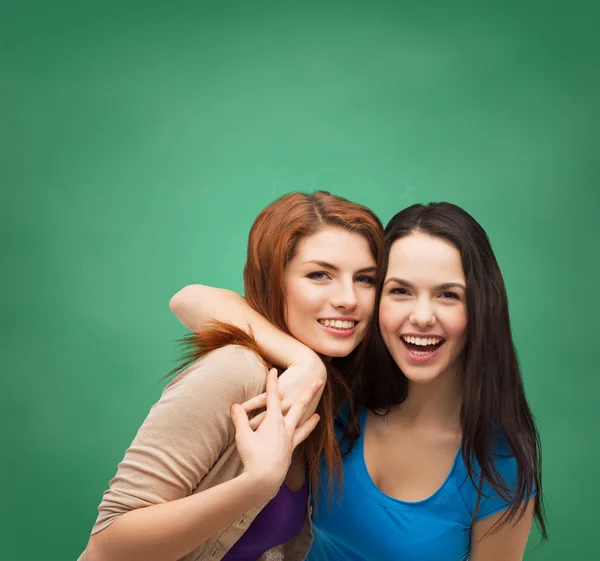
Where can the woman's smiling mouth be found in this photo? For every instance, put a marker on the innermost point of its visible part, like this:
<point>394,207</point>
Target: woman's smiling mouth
<point>422,347</point>
<point>338,326</point>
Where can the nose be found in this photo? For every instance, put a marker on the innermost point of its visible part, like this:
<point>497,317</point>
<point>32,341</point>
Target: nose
<point>423,314</point>
<point>343,295</point>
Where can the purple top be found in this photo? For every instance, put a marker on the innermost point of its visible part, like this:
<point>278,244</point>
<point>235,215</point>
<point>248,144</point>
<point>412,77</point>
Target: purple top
<point>281,519</point>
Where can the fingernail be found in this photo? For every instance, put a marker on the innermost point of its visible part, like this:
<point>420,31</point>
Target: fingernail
<point>319,383</point>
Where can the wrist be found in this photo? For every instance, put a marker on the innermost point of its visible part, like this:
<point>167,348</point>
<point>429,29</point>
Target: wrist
<point>262,487</point>
<point>311,362</point>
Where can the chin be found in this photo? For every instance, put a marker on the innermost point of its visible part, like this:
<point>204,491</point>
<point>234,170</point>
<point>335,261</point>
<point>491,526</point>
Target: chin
<point>334,351</point>
<point>424,374</point>
<point>420,377</point>
<point>338,354</point>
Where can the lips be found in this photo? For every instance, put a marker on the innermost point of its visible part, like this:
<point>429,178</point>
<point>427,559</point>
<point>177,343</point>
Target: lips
<point>422,345</point>
<point>423,340</point>
<point>339,323</point>
<point>339,328</point>
<point>421,349</point>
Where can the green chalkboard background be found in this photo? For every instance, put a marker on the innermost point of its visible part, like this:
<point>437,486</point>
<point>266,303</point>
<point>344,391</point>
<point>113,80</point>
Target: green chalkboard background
<point>139,140</point>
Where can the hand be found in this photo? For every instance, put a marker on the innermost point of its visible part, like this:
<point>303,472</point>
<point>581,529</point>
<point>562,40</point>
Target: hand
<point>291,385</point>
<point>267,452</point>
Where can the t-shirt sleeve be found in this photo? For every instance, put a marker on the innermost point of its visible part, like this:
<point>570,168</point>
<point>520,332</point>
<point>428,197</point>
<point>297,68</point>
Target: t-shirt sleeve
<point>184,434</point>
<point>506,464</point>
<point>491,501</point>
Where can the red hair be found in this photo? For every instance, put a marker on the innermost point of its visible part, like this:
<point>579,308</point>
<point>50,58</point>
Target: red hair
<point>273,241</point>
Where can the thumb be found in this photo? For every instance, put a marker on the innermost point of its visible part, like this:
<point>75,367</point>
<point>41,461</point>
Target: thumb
<point>240,421</point>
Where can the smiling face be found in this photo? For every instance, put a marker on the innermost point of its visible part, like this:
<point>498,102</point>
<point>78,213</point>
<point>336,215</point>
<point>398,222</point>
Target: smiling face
<point>423,312</point>
<point>329,291</point>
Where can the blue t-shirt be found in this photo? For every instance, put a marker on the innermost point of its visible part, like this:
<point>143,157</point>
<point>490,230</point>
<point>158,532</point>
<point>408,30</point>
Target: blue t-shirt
<point>364,524</point>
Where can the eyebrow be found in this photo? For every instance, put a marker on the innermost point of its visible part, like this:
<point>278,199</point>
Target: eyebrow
<point>331,267</point>
<point>443,286</point>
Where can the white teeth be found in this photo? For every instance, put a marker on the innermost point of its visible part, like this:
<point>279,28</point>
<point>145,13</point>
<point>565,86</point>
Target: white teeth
<point>422,341</point>
<point>338,323</point>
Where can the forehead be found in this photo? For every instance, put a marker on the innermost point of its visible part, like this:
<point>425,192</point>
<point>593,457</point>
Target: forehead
<point>336,246</point>
<point>420,257</point>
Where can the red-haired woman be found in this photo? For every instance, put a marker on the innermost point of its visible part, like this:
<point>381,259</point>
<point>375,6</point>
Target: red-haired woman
<point>194,485</point>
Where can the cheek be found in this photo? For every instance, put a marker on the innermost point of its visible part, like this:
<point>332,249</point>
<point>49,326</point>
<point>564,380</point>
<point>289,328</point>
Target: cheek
<point>456,322</point>
<point>300,302</point>
<point>295,318</point>
<point>389,320</point>
<point>367,302</point>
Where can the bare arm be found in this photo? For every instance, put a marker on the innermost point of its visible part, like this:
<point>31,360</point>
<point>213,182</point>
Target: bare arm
<point>196,305</point>
<point>507,544</point>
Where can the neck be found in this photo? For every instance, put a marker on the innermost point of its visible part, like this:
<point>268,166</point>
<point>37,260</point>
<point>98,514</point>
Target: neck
<point>435,403</point>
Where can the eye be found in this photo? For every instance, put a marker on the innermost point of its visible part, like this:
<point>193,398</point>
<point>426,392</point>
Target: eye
<point>365,279</point>
<point>317,275</point>
<point>448,295</point>
<point>398,291</point>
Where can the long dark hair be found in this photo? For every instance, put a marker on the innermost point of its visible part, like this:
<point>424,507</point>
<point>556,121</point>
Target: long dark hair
<point>494,401</point>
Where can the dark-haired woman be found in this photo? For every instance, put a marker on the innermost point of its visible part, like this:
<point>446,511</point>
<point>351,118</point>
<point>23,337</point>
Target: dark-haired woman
<point>442,455</point>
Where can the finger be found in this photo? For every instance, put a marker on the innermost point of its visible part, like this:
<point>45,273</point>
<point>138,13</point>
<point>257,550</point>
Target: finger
<point>255,403</point>
<point>298,408</point>
<point>240,421</point>
<point>255,422</point>
<point>304,430</point>
<point>286,404</point>
<point>273,399</point>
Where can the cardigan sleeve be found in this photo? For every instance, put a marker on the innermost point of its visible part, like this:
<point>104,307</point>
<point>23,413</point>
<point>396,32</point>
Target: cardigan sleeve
<point>184,434</point>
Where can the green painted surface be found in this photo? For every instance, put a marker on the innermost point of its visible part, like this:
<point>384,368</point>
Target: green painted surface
<point>138,142</point>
